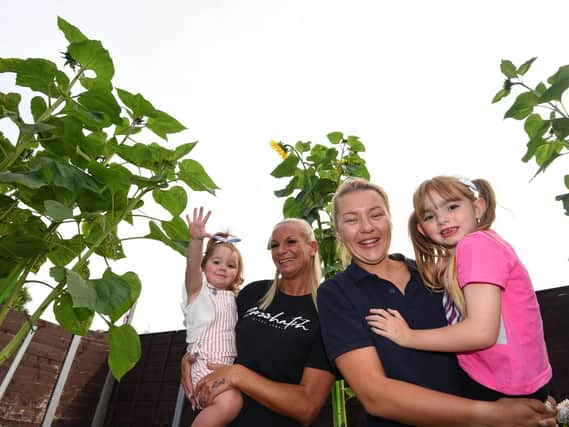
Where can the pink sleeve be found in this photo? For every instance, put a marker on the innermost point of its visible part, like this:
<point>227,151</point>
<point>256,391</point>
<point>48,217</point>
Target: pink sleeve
<point>482,259</point>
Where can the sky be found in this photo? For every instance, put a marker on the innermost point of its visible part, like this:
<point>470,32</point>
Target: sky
<point>413,79</point>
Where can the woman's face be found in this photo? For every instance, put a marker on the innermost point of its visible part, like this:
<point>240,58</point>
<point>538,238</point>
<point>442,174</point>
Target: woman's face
<point>363,225</point>
<point>291,253</point>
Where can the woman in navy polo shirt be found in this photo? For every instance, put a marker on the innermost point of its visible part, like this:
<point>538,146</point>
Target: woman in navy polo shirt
<point>397,386</point>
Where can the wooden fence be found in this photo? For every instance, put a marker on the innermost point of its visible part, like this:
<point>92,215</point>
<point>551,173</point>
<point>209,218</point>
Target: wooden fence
<point>147,395</point>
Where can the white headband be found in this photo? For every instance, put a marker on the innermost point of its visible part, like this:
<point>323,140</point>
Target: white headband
<point>469,184</point>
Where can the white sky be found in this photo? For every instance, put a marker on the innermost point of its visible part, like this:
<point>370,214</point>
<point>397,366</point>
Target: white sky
<point>413,79</point>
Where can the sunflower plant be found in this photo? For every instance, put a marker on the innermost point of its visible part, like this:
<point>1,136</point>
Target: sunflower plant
<point>78,172</point>
<point>546,120</point>
<point>314,172</point>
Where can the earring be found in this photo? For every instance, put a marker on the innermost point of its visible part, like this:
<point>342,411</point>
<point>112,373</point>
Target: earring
<point>477,220</point>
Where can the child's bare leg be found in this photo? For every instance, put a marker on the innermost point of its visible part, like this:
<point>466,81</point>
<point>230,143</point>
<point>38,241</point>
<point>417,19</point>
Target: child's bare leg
<point>222,411</point>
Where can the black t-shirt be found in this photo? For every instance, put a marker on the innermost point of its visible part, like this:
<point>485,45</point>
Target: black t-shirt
<point>345,299</point>
<point>278,343</point>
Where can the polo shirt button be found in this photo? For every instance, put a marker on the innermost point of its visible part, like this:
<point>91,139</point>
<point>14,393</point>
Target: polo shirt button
<point>391,291</point>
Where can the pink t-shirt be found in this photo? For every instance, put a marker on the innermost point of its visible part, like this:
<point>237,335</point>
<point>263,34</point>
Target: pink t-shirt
<point>517,364</point>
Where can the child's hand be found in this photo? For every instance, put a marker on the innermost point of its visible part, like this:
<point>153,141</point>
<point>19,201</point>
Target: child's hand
<point>390,324</point>
<point>186,378</point>
<point>196,227</point>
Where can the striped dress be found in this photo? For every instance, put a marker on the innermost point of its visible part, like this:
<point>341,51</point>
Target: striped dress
<point>216,344</point>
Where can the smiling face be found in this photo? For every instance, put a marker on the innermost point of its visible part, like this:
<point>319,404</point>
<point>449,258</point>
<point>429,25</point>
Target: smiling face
<point>446,221</point>
<point>291,252</point>
<point>222,267</point>
<point>363,226</point>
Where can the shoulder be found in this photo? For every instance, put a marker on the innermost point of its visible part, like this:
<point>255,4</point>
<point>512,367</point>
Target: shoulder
<point>254,289</point>
<point>487,240</point>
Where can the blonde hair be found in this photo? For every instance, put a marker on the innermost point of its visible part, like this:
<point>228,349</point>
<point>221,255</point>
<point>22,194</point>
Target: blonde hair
<point>212,245</point>
<point>436,264</point>
<point>352,185</point>
<point>316,269</point>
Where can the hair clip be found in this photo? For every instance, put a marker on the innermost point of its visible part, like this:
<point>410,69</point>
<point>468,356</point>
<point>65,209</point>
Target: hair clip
<point>228,239</point>
<point>469,184</point>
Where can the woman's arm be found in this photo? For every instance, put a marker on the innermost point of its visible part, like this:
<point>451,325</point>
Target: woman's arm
<point>301,402</point>
<point>414,405</point>
<point>479,330</point>
<point>196,229</point>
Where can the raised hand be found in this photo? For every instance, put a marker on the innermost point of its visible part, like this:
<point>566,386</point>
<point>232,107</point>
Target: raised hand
<point>197,225</point>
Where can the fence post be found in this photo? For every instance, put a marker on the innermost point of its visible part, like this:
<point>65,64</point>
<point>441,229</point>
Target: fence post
<point>61,380</point>
<point>16,362</point>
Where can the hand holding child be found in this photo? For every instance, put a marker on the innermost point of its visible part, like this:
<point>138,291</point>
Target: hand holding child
<point>390,324</point>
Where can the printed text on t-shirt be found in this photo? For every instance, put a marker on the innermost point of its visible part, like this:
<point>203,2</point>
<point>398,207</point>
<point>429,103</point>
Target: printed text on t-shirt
<point>277,320</point>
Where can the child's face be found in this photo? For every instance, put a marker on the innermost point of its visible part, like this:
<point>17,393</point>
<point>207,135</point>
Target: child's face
<point>446,222</point>
<point>222,267</point>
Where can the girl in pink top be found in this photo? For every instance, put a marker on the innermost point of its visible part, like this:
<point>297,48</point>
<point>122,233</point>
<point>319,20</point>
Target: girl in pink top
<point>495,325</point>
<point>210,312</point>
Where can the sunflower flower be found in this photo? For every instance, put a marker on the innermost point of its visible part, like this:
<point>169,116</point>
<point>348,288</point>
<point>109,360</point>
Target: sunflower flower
<point>279,148</point>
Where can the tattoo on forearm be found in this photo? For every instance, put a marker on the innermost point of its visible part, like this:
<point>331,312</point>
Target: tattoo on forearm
<point>218,383</point>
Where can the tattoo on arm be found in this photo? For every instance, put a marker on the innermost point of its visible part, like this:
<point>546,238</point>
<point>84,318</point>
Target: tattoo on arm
<point>218,383</point>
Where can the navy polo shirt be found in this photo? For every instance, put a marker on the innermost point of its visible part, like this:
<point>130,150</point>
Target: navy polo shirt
<point>345,300</point>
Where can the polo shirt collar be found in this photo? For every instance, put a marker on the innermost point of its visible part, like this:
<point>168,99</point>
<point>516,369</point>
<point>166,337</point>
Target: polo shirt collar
<point>359,274</point>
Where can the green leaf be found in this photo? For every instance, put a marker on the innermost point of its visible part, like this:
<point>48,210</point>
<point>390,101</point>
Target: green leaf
<point>561,74</point>
<point>56,211</point>
<point>82,291</point>
<point>522,69</point>
<point>286,168</point>
<point>157,234</point>
<point>113,294</point>
<point>560,127</point>
<point>75,320</point>
<point>101,101</point>
<point>566,181</point>
<point>114,177</point>
<point>535,126</point>
<point>508,69</point>
<point>287,191</point>
<point>133,282</point>
<point>291,208</point>
<point>45,171</point>
<point>173,200</point>
<point>302,147</point>
<point>555,91</point>
<point>176,229</point>
<point>355,144</point>
<point>163,124</point>
<point>502,93</point>
<point>195,177</point>
<point>335,137</point>
<point>124,349</point>
<point>58,274</point>
<point>522,106</point>
<point>11,102</point>
<point>65,250</point>
<point>137,104</point>
<point>182,150</point>
<point>38,107</point>
<point>72,34</point>
<point>93,56</point>
<point>35,73</point>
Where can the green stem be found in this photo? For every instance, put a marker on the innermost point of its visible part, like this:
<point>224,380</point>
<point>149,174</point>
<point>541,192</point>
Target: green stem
<point>339,404</point>
<point>17,339</point>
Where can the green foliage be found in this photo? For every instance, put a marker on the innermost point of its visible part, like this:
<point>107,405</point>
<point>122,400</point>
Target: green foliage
<point>547,131</point>
<point>314,172</point>
<point>79,170</point>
